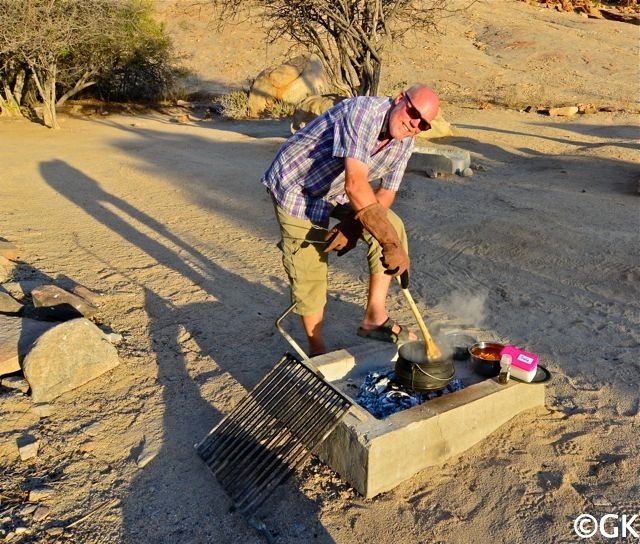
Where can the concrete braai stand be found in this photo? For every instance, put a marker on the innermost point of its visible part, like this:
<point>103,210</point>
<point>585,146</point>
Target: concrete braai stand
<point>375,455</point>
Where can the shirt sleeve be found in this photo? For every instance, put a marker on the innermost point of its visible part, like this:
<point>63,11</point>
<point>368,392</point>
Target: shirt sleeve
<point>352,134</point>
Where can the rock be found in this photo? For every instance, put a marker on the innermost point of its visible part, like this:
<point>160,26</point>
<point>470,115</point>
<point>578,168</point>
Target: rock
<point>27,447</point>
<point>28,510</point>
<point>563,112</point>
<point>600,501</point>
<point>587,109</point>
<point>42,409</point>
<point>87,447</point>
<point>41,493</point>
<point>181,119</point>
<point>8,304</point>
<point>149,452</point>
<point>467,172</point>
<point>8,250</point>
<point>6,268</point>
<point>290,82</point>
<point>594,13</point>
<point>15,382</point>
<point>67,356</point>
<point>114,338</point>
<point>22,288</point>
<point>440,128</point>
<point>312,106</point>
<point>42,512</point>
<point>61,304</point>
<point>16,338</point>
<point>94,429</point>
<point>54,531</point>
<point>86,294</point>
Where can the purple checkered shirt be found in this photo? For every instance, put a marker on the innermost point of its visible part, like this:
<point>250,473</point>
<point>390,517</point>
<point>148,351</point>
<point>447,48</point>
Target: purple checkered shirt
<point>306,178</point>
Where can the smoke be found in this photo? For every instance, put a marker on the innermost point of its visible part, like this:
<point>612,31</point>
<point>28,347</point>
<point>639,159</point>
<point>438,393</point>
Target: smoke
<point>467,307</point>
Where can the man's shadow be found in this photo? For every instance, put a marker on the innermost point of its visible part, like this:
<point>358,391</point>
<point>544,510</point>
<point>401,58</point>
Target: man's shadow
<point>175,497</point>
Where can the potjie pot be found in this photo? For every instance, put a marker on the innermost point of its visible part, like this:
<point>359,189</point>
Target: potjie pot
<point>416,372</point>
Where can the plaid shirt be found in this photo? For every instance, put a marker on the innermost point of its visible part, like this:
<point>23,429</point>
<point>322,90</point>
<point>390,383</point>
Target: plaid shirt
<point>306,178</point>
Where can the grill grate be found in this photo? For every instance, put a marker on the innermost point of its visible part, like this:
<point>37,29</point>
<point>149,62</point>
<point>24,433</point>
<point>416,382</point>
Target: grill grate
<point>272,431</point>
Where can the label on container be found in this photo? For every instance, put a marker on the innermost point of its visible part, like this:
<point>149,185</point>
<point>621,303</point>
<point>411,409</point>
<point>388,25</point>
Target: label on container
<point>520,358</point>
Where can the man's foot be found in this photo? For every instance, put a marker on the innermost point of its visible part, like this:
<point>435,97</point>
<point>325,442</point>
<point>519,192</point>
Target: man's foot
<point>389,331</point>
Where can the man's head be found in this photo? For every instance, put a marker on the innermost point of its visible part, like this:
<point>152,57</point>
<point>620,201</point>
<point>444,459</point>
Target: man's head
<point>412,112</point>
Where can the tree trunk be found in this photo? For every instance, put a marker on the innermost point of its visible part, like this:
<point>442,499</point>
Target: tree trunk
<point>47,89</point>
<point>49,115</point>
<point>9,107</point>
<point>10,98</point>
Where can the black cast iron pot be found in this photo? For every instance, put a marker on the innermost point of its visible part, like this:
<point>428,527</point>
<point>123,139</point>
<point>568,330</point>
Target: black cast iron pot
<point>415,372</point>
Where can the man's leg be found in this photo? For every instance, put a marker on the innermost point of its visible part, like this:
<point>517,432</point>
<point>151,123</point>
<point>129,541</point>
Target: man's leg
<point>313,328</point>
<point>376,311</point>
<point>306,266</point>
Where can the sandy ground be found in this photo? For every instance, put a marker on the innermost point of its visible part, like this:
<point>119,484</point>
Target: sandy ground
<point>168,223</point>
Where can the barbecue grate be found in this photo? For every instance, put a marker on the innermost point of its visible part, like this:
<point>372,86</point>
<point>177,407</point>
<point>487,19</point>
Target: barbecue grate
<point>272,431</point>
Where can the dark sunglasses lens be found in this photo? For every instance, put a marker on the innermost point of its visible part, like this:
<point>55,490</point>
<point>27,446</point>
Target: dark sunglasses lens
<point>415,114</point>
<point>412,111</point>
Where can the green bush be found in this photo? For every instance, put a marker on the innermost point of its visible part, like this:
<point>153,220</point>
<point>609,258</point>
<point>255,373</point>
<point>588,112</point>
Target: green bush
<point>234,105</point>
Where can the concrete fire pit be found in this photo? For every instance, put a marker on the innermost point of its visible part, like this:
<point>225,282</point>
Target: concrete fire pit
<point>375,455</point>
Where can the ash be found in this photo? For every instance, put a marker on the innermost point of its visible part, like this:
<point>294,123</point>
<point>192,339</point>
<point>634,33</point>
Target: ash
<point>382,396</point>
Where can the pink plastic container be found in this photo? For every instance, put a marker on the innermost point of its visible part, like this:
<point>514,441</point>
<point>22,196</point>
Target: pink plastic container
<point>523,364</point>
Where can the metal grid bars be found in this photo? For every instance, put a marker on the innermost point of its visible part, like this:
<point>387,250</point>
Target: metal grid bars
<point>272,431</point>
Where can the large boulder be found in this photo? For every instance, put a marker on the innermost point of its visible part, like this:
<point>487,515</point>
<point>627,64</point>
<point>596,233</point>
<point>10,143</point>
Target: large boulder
<point>67,356</point>
<point>312,106</point>
<point>290,82</point>
<point>440,128</point>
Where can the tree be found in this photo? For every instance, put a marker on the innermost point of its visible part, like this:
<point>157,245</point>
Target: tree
<point>63,46</point>
<point>349,36</point>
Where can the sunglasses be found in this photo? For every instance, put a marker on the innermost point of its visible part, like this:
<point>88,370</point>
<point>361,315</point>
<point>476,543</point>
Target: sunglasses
<point>415,114</point>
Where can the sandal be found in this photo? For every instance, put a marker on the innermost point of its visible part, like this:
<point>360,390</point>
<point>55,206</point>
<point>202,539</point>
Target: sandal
<point>384,333</point>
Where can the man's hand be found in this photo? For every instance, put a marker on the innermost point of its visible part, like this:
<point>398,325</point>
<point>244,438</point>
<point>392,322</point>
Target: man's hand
<point>344,236</point>
<point>394,257</point>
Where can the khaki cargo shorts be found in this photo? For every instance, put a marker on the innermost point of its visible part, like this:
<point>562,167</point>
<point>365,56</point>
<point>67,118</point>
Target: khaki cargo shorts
<point>306,264</point>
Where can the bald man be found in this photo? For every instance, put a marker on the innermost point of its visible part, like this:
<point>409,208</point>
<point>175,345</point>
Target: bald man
<point>325,170</point>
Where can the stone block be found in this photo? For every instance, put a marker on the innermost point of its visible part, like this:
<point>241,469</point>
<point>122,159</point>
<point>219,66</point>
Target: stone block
<point>567,111</point>
<point>6,268</point>
<point>60,304</point>
<point>8,250</point>
<point>440,159</point>
<point>376,455</point>
<point>8,304</point>
<point>17,335</point>
<point>66,357</point>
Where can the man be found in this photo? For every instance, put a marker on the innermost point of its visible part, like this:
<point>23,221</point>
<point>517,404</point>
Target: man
<point>325,170</point>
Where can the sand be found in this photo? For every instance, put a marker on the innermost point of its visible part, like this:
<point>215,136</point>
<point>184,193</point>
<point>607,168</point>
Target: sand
<point>169,224</point>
